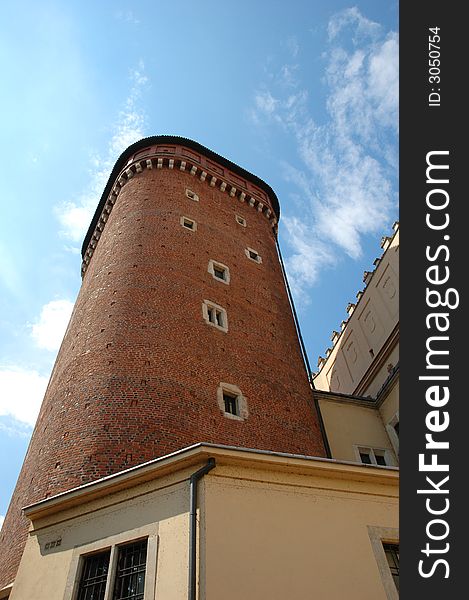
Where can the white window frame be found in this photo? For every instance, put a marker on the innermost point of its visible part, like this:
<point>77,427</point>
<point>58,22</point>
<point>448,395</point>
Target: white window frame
<point>241,403</point>
<point>113,543</point>
<point>208,305</point>
<point>183,220</point>
<point>379,536</point>
<point>372,450</point>
<point>192,195</point>
<point>258,258</point>
<point>212,265</point>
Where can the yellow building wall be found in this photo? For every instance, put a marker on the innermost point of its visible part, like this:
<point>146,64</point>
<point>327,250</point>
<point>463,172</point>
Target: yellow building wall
<point>350,425</point>
<point>269,526</point>
<point>128,515</point>
<point>390,405</point>
<point>292,538</point>
<point>367,331</point>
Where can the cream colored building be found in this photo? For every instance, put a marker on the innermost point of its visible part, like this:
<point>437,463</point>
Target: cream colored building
<point>357,385</point>
<point>268,525</point>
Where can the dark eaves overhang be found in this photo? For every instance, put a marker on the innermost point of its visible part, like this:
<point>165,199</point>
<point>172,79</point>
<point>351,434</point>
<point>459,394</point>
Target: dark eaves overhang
<point>174,139</point>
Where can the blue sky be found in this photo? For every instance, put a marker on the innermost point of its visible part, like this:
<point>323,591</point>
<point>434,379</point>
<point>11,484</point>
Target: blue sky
<point>303,94</point>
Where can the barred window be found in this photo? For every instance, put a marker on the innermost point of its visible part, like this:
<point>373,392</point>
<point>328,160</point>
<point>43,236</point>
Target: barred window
<point>128,583</point>
<point>130,572</point>
<point>94,576</point>
<point>392,554</point>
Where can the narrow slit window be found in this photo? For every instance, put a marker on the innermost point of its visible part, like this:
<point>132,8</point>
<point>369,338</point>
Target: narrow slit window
<point>392,555</point>
<point>215,315</point>
<point>231,404</point>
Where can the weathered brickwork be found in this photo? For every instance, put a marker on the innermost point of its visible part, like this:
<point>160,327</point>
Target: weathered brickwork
<point>138,371</point>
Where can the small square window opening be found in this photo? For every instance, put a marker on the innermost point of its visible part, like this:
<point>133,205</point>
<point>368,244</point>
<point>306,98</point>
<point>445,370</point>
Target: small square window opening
<point>380,459</point>
<point>188,223</point>
<point>192,195</point>
<point>241,220</point>
<point>253,255</point>
<point>218,271</point>
<point>365,458</point>
<point>231,402</point>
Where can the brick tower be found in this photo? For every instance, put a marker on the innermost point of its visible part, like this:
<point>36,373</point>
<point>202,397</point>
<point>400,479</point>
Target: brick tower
<point>182,331</point>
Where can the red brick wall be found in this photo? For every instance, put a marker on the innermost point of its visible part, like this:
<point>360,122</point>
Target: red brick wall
<point>137,374</point>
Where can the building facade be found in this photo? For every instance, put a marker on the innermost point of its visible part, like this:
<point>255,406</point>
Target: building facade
<point>179,439</point>
<point>358,380</point>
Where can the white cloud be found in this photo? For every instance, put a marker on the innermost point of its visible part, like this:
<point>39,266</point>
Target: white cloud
<point>49,330</point>
<point>352,17</point>
<point>348,159</point>
<point>21,392</point>
<point>265,102</point>
<point>127,16</point>
<point>75,215</point>
<point>293,46</point>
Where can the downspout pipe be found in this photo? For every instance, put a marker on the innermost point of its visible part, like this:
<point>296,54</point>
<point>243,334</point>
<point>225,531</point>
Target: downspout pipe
<point>194,479</point>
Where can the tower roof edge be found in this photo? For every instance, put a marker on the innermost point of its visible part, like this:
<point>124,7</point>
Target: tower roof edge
<point>173,139</point>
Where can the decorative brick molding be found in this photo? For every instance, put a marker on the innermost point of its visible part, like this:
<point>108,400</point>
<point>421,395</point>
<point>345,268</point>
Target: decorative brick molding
<point>183,159</point>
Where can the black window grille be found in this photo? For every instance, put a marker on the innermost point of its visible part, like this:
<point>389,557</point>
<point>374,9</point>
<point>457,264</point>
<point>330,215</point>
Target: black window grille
<point>94,576</point>
<point>130,572</point>
<point>231,404</point>
<point>392,555</point>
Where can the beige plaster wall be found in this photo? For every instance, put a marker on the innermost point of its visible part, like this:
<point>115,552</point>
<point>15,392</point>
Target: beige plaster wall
<point>349,425</point>
<point>269,527</point>
<point>144,511</point>
<point>294,537</point>
<point>390,404</point>
<point>389,410</point>
<point>365,336</point>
